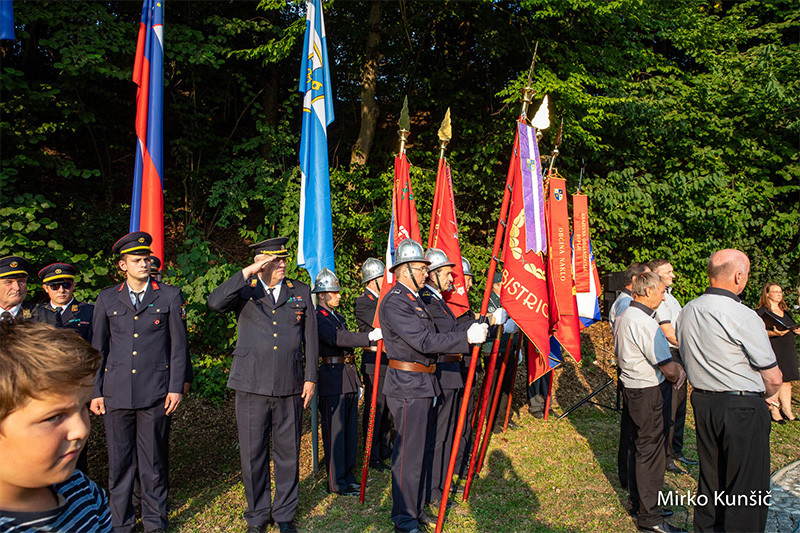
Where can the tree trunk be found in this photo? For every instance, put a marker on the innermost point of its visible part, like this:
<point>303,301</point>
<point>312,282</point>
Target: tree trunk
<point>369,81</point>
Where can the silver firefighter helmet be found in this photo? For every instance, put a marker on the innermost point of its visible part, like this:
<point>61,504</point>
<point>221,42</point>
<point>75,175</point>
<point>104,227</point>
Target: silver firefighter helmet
<point>408,251</point>
<point>437,258</point>
<point>326,281</point>
<point>465,264</point>
<point>371,269</point>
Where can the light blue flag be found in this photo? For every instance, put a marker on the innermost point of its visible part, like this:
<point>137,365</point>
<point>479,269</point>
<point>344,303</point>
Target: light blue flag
<point>315,247</point>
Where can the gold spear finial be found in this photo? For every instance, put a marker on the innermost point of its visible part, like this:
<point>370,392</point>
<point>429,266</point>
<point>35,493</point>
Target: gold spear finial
<point>445,133</point>
<point>405,126</point>
<point>555,147</point>
<point>528,91</point>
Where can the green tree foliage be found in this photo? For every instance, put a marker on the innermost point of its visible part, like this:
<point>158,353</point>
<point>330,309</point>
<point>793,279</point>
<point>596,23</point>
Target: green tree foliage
<point>685,113</point>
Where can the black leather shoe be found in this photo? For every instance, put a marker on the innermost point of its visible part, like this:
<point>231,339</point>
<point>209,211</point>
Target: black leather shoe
<point>356,487</point>
<point>380,466</point>
<point>437,503</point>
<point>666,513</point>
<point>663,527</point>
<point>287,527</point>
<point>426,519</point>
<point>259,529</point>
<point>672,467</point>
<point>348,491</point>
<point>685,460</point>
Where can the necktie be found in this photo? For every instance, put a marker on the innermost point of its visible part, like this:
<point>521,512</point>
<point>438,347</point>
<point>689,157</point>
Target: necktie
<point>138,299</point>
<point>271,293</point>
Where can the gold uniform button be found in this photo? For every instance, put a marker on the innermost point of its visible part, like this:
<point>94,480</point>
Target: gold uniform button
<point>274,323</point>
<point>274,334</point>
<point>133,371</point>
<point>274,347</point>
<point>135,335</point>
<point>134,352</point>
<point>136,318</point>
<point>115,312</point>
<point>273,311</point>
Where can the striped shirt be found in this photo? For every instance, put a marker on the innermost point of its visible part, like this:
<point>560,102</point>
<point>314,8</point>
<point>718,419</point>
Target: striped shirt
<point>82,507</point>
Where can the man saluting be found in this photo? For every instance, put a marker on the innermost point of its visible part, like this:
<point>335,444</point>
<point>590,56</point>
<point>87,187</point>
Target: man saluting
<point>274,373</point>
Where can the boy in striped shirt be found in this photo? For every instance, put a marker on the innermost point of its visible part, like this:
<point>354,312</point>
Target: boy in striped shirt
<point>46,380</point>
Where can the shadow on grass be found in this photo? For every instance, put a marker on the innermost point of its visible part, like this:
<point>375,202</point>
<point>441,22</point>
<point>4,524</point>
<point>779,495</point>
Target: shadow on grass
<point>502,500</point>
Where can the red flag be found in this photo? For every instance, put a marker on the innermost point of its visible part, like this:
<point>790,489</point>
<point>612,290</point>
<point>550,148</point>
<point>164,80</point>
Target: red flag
<point>524,291</point>
<point>404,223</point>
<point>444,235</point>
<point>564,321</point>
<point>580,242</point>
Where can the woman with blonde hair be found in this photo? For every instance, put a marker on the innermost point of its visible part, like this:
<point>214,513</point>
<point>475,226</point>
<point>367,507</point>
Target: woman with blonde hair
<point>781,329</point>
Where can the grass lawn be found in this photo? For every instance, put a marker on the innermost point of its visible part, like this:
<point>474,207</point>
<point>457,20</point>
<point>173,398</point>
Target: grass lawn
<point>544,476</point>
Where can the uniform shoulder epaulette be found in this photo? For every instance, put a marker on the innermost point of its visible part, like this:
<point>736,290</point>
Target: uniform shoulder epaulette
<point>395,291</point>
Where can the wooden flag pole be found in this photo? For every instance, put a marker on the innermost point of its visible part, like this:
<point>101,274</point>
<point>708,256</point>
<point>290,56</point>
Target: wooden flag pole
<point>514,364</point>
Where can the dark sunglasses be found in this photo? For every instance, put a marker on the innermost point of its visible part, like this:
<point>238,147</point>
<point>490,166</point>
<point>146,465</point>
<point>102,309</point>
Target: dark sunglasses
<point>66,285</point>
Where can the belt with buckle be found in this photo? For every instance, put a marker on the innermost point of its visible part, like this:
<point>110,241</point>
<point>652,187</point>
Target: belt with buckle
<point>731,392</point>
<point>411,367</point>
<point>337,359</point>
<point>450,358</point>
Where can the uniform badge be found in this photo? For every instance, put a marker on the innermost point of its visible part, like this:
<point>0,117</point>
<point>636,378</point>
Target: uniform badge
<point>58,271</point>
<point>299,298</point>
<point>299,317</point>
<point>324,312</point>
<point>156,322</point>
<point>141,239</point>
<point>26,313</point>
<point>13,264</point>
<point>289,284</point>
<point>253,282</point>
<point>74,308</point>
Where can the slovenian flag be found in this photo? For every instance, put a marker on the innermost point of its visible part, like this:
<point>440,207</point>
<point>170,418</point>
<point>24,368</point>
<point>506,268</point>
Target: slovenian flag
<point>7,20</point>
<point>147,205</point>
<point>315,247</point>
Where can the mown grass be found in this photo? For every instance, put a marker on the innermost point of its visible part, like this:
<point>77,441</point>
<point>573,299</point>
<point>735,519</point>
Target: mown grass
<point>546,476</point>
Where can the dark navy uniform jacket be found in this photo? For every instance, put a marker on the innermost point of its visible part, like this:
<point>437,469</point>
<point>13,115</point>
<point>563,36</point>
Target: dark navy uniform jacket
<point>274,341</point>
<point>365,308</point>
<point>337,378</point>
<point>409,334</point>
<point>445,320</point>
<point>144,350</point>
<point>77,317</point>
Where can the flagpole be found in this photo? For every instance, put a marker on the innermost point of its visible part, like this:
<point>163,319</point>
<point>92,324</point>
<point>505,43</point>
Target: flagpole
<point>514,365</point>
<point>404,131</point>
<point>487,291</point>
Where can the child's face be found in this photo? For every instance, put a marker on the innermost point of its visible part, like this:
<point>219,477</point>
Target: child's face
<point>40,442</point>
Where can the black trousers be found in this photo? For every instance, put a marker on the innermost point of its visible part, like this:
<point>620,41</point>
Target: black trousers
<point>646,459</point>
<point>411,458</point>
<point>465,444</point>
<point>733,449</point>
<point>382,436</point>
<point>625,438</point>
<point>137,437</point>
<point>340,438</point>
<point>675,436</point>
<point>505,389</point>
<point>256,417</point>
<point>446,418</point>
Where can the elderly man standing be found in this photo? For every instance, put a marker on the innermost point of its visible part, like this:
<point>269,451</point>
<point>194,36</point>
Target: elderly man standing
<point>644,360</point>
<point>732,368</point>
<point>274,374</point>
<point>667,317</point>
<point>412,345</point>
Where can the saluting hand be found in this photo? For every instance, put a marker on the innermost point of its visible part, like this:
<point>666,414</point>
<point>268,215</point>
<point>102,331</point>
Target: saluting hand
<point>308,392</point>
<point>257,266</point>
<point>172,401</point>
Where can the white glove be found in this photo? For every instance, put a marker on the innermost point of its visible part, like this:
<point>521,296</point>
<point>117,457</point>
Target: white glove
<point>510,326</point>
<point>500,316</point>
<point>360,393</point>
<point>519,359</point>
<point>476,334</point>
<point>375,334</point>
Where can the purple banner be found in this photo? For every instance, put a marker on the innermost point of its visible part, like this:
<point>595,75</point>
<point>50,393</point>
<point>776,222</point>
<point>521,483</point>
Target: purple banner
<point>532,189</point>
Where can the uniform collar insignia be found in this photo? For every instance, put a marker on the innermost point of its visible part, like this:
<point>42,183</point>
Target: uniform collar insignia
<point>26,313</point>
<point>289,283</point>
<point>154,284</point>
<point>411,297</point>
<point>324,312</point>
<point>74,308</point>
<point>371,297</point>
<point>121,287</point>
<point>253,282</point>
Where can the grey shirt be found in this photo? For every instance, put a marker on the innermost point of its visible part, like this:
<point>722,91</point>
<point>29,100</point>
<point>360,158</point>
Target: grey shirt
<point>640,347</point>
<point>622,302</point>
<point>723,343</point>
<point>667,312</point>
